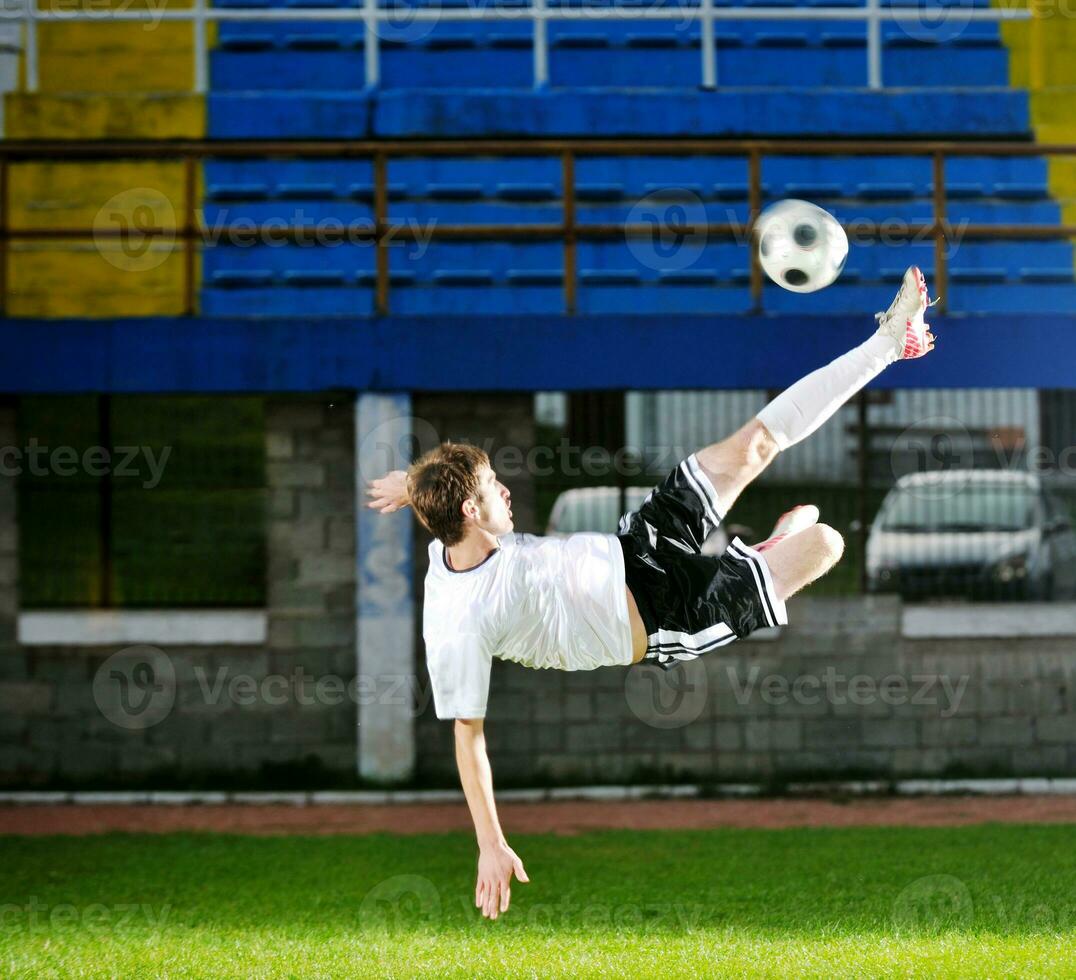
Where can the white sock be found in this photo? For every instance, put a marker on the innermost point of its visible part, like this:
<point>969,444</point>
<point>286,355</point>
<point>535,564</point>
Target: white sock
<point>798,411</point>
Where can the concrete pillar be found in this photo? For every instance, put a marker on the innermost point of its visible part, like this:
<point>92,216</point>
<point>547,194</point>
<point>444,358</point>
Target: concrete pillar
<point>385,632</point>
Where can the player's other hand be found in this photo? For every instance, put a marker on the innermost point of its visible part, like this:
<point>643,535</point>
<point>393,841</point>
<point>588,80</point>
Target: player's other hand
<point>388,494</point>
<point>496,865</point>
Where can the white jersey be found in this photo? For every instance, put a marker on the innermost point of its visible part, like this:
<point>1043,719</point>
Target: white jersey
<point>541,602</point>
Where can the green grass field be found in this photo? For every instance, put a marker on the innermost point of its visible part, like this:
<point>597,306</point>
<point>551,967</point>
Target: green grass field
<point>990,901</point>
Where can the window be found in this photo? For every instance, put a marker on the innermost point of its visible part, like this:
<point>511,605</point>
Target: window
<point>139,501</point>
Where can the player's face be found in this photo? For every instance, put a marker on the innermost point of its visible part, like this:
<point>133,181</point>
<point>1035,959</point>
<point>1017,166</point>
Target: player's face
<point>494,504</point>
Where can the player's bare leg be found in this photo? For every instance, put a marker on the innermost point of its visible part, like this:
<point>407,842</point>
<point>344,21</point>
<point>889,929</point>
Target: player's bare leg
<point>799,410</point>
<point>734,462</point>
<point>801,558</point>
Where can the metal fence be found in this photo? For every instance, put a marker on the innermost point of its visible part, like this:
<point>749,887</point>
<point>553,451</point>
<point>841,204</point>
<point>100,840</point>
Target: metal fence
<point>377,17</point>
<point>382,234</point>
<point>939,493</point>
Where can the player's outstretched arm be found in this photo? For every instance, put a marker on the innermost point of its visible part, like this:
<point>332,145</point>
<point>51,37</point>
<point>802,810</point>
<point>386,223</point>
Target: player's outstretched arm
<point>389,493</point>
<point>497,862</point>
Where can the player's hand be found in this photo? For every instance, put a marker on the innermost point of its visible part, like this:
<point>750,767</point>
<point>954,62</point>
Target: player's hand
<point>388,494</point>
<point>496,865</point>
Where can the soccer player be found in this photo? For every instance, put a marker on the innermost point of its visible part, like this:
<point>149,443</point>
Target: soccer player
<point>646,594</point>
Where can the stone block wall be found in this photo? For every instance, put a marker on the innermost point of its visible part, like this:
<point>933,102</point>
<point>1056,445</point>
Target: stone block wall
<point>114,713</point>
<point>17,690</point>
<point>310,599</point>
<point>839,694</point>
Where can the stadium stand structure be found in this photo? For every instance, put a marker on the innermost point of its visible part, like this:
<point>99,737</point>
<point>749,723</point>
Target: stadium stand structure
<point>298,79</point>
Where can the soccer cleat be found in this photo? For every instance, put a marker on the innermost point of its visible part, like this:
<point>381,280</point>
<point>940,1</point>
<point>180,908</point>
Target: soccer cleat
<point>903,321</point>
<point>797,519</point>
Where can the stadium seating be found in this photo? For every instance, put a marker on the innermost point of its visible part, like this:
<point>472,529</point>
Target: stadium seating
<point>692,276</point>
<point>618,78</point>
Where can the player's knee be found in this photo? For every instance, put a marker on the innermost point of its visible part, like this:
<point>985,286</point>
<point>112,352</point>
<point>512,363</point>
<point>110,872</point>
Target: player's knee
<point>830,542</point>
<point>759,446</point>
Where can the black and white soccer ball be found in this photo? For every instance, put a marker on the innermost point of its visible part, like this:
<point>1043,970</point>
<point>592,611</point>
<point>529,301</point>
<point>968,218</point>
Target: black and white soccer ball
<point>800,246</point>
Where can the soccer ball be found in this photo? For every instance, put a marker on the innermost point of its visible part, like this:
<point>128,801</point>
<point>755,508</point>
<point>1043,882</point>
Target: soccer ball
<point>800,246</point>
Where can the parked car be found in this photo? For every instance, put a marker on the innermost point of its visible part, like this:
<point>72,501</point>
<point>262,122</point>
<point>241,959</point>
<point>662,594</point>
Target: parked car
<point>599,509</point>
<point>978,533</point>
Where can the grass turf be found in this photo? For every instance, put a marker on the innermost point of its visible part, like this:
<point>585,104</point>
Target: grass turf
<point>990,900</point>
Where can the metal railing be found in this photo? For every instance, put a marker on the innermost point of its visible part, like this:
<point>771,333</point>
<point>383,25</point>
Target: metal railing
<point>382,233</point>
<point>376,18</point>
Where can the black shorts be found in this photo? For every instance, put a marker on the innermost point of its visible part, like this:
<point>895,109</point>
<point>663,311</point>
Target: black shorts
<point>692,603</point>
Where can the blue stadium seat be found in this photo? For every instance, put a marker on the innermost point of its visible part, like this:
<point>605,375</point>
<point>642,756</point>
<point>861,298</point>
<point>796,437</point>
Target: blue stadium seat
<point>281,301</point>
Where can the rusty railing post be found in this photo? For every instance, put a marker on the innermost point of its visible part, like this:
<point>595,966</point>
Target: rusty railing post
<point>190,234</point>
<point>381,220</point>
<point>754,193</point>
<point>568,180</point>
<point>941,267</point>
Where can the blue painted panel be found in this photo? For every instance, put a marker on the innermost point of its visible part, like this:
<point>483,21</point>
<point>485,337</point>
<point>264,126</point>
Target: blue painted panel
<point>609,113</point>
<point>286,301</point>
<point>505,68</point>
<point>632,66</point>
<point>291,71</point>
<point>491,112</point>
<point>510,352</point>
<point>342,174</point>
<point>291,115</point>
<point>279,259</point>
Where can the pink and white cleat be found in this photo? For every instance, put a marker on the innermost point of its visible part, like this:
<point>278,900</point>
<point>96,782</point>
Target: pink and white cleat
<point>797,519</point>
<point>903,321</point>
